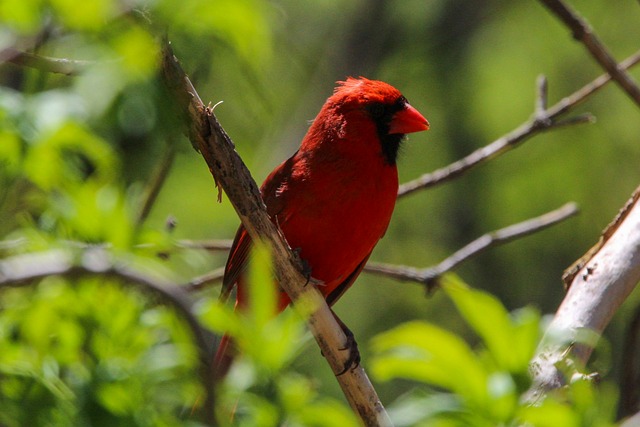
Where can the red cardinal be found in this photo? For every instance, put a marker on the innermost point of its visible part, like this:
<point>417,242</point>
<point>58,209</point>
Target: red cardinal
<point>334,197</point>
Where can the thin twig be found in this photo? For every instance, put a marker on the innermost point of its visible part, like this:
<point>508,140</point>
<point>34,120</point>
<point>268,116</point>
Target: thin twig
<point>157,181</point>
<point>22,270</point>
<point>543,97</point>
<point>583,32</point>
<point>207,245</point>
<point>13,243</point>
<point>517,136</point>
<point>429,276</point>
<point>203,281</point>
<point>69,67</point>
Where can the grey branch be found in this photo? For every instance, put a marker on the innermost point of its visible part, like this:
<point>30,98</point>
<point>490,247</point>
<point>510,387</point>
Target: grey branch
<point>604,280</point>
<point>583,32</point>
<point>542,120</point>
<point>429,276</point>
<point>203,281</point>
<point>69,67</point>
<point>207,245</point>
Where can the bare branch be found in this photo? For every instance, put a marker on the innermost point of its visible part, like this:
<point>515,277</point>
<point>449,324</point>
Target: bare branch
<point>429,276</point>
<point>598,288</point>
<point>539,123</point>
<point>68,67</point>
<point>203,281</point>
<point>207,245</point>
<point>23,270</point>
<point>156,182</point>
<point>230,173</point>
<point>583,32</point>
<point>543,98</point>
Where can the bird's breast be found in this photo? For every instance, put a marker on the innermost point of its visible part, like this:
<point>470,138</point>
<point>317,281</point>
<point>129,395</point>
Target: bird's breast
<point>335,218</point>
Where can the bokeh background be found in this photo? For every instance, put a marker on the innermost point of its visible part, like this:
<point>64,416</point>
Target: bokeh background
<point>469,67</point>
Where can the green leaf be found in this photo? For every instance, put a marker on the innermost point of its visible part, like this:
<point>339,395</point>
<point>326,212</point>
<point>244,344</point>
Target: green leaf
<point>510,343</point>
<point>138,51</point>
<point>22,16</point>
<point>550,413</point>
<point>262,297</point>
<point>10,152</point>
<point>69,156</point>
<point>240,23</point>
<point>84,15</point>
<point>428,353</point>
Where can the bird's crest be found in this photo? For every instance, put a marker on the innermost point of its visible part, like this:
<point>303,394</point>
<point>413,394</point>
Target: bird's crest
<point>362,90</point>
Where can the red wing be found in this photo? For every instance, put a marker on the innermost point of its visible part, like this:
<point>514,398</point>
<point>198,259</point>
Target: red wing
<point>236,262</point>
<point>346,283</point>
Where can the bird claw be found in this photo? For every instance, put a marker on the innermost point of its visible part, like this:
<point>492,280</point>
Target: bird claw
<point>306,269</point>
<point>353,361</point>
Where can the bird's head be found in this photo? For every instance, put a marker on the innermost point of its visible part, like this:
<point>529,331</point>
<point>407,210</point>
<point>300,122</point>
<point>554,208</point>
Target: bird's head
<point>362,100</point>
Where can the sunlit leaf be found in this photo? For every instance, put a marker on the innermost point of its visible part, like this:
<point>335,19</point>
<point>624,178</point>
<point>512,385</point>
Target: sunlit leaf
<point>85,15</point>
<point>550,413</point>
<point>138,52</point>
<point>427,353</point>
<point>10,151</point>
<point>22,16</point>
<point>240,23</point>
<point>68,156</point>
<point>262,287</point>
<point>499,332</point>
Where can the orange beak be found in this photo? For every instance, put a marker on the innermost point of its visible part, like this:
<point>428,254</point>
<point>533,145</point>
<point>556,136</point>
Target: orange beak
<point>408,120</point>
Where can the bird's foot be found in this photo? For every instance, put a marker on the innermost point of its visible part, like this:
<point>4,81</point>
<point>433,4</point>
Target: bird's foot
<point>353,361</point>
<point>306,269</point>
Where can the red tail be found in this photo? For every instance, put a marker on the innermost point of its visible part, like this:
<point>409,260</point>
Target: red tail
<point>224,357</point>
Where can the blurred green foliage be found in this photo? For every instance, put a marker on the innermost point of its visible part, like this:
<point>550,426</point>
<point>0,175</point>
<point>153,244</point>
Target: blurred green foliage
<point>77,154</point>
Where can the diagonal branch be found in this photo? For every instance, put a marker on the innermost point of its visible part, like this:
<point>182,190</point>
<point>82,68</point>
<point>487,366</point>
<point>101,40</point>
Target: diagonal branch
<point>201,282</point>
<point>543,119</point>
<point>231,174</point>
<point>583,32</point>
<point>69,67</point>
<point>156,182</point>
<point>605,278</point>
<point>429,276</point>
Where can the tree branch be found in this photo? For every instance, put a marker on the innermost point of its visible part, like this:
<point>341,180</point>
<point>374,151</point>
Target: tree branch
<point>201,282</point>
<point>603,281</point>
<point>207,245</point>
<point>156,182</point>
<point>542,120</point>
<point>582,32</point>
<point>69,67</point>
<point>22,270</point>
<point>429,276</point>
<point>232,175</point>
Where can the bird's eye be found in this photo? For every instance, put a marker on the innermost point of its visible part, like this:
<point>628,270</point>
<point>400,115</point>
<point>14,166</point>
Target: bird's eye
<point>376,110</point>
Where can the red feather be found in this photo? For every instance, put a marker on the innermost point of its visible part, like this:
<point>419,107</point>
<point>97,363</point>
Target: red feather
<point>334,197</point>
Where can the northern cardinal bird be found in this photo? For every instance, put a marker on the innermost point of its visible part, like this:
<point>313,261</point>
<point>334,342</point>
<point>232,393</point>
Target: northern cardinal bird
<point>334,197</point>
